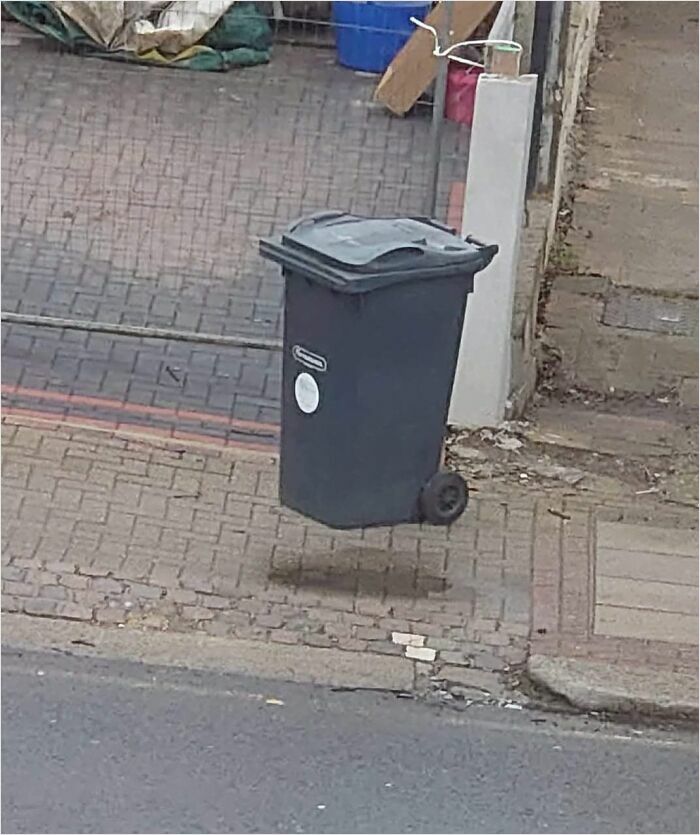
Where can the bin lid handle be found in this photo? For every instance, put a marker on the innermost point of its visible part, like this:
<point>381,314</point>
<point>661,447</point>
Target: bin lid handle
<point>429,221</point>
<point>489,250</point>
<point>311,220</point>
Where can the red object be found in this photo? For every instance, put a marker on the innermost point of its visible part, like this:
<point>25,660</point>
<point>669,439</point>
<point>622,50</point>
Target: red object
<point>461,92</point>
<point>455,205</point>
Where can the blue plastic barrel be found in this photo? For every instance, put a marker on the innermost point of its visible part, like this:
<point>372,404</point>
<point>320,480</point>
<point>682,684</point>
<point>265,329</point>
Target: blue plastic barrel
<point>369,34</point>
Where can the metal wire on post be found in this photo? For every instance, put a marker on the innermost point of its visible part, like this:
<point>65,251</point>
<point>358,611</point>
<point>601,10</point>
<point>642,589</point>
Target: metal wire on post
<point>438,113</point>
<point>443,35</point>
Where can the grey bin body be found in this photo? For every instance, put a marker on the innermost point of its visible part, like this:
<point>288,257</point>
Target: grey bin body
<point>374,310</point>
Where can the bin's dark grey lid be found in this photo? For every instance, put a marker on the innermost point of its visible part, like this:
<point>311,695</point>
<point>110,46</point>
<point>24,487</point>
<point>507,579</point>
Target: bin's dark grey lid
<point>357,254</point>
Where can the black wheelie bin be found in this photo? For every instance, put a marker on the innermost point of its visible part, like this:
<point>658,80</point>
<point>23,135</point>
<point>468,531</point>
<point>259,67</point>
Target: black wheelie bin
<point>374,309</point>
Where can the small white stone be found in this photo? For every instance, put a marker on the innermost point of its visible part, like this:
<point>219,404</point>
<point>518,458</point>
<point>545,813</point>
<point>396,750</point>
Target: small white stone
<point>421,653</point>
<point>406,639</point>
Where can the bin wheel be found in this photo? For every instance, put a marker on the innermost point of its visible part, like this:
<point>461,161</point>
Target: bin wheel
<point>444,498</point>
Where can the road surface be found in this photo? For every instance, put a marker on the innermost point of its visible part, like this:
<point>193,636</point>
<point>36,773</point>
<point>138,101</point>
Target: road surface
<point>103,746</point>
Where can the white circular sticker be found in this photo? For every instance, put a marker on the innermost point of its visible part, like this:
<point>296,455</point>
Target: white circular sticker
<point>306,393</point>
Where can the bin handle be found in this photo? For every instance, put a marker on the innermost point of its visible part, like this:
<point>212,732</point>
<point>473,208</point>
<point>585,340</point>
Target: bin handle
<point>313,219</point>
<point>470,239</point>
<point>434,223</point>
<point>489,250</point>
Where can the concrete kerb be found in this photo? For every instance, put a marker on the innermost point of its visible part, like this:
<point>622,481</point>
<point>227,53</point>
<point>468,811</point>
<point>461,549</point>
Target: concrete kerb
<point>304,664</point>
<point>586,685</point>
<point>597,686</point>
<point>329,667</point>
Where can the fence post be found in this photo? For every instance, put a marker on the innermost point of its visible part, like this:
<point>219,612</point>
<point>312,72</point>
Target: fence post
<point>553,94</point>
<point>523,27</point>
<point>538,65</point>
<point>493,212</point>
<point>445,38</point>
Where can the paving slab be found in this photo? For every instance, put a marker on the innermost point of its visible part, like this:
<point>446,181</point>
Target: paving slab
<point>635,214</point>
<point>640,193</point>
<point>646,565</point>
<point>646,624</point>
<point>649,539</point>
<point>644,594</point>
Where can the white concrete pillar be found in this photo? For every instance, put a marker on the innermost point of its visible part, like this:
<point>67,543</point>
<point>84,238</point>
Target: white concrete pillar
<point>493,213</point>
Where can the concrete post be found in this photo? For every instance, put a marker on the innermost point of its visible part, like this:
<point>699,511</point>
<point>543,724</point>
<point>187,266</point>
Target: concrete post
<point>493,212</point>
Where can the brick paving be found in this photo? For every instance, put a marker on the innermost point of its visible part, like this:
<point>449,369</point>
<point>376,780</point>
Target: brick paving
<point>137,195</point>
<point>117,530</point>
<point>150,532</point>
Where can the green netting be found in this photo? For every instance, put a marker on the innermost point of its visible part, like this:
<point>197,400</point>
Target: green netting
<point>44,18</point>
<point>242,26</point>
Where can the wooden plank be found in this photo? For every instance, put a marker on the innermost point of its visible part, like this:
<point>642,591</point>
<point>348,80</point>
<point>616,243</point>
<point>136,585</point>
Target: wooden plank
<point>414,68</point>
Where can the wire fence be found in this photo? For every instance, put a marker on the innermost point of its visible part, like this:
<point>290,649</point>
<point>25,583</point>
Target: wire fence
<point>137,194</point>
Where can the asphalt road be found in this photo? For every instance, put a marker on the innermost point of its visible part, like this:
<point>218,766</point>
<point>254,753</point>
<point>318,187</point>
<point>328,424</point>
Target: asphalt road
<point>102,746</point>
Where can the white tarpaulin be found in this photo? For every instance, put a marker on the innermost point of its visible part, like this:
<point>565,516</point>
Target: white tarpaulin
<point>142,25</point>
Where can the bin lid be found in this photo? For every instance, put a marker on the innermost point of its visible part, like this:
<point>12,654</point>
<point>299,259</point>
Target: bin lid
<point>355,254</point>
